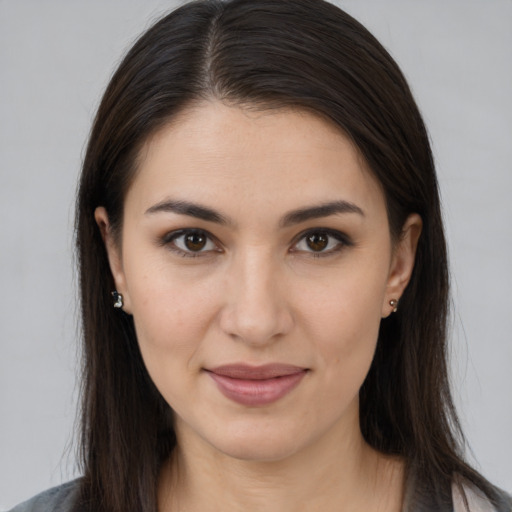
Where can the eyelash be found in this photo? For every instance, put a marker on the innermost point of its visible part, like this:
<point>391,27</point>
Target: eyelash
<point>170,238</point>
<point>342,239</point>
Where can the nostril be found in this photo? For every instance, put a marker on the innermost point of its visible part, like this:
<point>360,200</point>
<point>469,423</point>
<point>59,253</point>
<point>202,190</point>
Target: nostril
<point>256,324</point>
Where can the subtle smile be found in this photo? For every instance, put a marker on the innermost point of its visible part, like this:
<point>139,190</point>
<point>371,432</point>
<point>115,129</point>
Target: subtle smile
<point>256,385</point>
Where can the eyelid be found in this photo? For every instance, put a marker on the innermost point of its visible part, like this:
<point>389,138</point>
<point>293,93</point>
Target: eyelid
<point>343,239</point>
<point>168,239</point>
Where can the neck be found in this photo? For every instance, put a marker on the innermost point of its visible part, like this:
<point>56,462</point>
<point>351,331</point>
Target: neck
<point>340,473</point>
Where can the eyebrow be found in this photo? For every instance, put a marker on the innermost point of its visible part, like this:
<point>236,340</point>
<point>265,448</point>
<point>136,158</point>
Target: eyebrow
<point>322,210</point>
<point>190,209</point>
<point>294,217</point>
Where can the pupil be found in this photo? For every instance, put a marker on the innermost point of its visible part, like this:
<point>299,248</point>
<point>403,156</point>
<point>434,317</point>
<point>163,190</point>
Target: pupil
<point>317,241</point>
<point>195,241</point>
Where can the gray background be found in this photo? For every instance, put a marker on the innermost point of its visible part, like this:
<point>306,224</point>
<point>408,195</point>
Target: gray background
<point>55,60</point>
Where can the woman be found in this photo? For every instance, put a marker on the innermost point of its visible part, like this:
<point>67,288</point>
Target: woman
<point>263,275</point>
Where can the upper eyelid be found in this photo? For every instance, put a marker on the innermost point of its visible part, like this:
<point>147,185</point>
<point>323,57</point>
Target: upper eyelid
<point>172,235</point>
<point>342,237</point>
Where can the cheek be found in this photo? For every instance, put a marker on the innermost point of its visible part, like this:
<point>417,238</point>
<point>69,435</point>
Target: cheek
<point>344,322</point>
<point>170,314</point>
<point>170,327</point>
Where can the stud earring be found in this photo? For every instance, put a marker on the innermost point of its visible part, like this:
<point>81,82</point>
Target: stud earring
<point>394,304</point>
<point>118,299</point>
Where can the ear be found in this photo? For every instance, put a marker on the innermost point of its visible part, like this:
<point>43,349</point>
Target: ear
<point>114,255</point>
<point>402,262</point>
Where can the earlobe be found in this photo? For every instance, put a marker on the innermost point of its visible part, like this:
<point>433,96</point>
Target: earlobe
<point>113,253</point>
<point>402,263</point>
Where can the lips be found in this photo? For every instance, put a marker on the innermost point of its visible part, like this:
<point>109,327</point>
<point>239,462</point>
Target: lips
<point>256,385</point>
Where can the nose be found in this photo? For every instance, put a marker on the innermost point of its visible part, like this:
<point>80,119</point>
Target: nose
<point>256,308</point>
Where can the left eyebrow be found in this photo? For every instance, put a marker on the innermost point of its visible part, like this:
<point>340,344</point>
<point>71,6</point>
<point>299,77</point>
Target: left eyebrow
<point>316,212</point>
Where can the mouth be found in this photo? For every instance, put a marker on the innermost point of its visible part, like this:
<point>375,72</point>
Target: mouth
<point>256,385</point>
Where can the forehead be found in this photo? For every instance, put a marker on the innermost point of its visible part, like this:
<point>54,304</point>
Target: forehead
<point>215,152</point>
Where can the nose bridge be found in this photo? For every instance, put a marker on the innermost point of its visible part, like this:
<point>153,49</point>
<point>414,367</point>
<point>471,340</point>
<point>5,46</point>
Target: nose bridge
<point>256,309</point>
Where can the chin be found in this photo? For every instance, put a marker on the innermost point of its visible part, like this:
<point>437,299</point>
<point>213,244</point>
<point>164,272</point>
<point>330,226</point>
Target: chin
<point>265,444</point>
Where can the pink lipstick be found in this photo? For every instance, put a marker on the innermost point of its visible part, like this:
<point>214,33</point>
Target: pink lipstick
<point>256,385</point>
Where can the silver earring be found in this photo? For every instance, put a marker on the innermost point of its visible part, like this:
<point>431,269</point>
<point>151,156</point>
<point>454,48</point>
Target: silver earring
<point>394,304</point>
<point>118,299</point>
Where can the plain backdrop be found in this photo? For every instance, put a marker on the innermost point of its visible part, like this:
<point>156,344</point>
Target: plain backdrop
<point>55,59</point>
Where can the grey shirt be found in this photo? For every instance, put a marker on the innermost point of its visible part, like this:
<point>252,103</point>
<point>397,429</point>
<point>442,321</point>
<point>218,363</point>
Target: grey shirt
<point>57,499</point>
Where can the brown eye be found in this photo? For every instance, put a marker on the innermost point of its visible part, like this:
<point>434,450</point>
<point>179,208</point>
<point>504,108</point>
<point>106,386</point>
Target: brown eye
<point>321,242</point>
<point>191,242</point>
<point>195,241</point>
<point>317,241</point>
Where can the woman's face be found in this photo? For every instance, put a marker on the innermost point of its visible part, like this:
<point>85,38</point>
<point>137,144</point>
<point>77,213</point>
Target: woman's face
<point>257,264</point>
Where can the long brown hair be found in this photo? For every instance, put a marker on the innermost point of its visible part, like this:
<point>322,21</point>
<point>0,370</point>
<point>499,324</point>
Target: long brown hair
<point>263,54</point>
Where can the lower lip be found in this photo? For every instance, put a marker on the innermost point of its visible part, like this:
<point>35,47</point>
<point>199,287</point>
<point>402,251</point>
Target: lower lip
<point>257,392</point>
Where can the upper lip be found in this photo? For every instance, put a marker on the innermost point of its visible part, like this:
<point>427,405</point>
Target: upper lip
<point>261,372</point>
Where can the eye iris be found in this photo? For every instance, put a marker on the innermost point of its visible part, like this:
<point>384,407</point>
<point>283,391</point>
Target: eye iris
<point>317,241</point>
<point>195,241</point>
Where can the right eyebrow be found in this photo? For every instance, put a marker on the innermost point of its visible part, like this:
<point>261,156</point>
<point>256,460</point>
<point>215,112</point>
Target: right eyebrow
<point>319,211</point>
<point>191,209</point>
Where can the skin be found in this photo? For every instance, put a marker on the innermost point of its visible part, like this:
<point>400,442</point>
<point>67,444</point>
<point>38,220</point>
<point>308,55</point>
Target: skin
<point>257,293</point>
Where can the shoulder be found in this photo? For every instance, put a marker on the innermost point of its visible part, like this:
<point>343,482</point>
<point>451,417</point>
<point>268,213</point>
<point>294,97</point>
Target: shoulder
<point>57,499</point>
<point>477,501</point>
